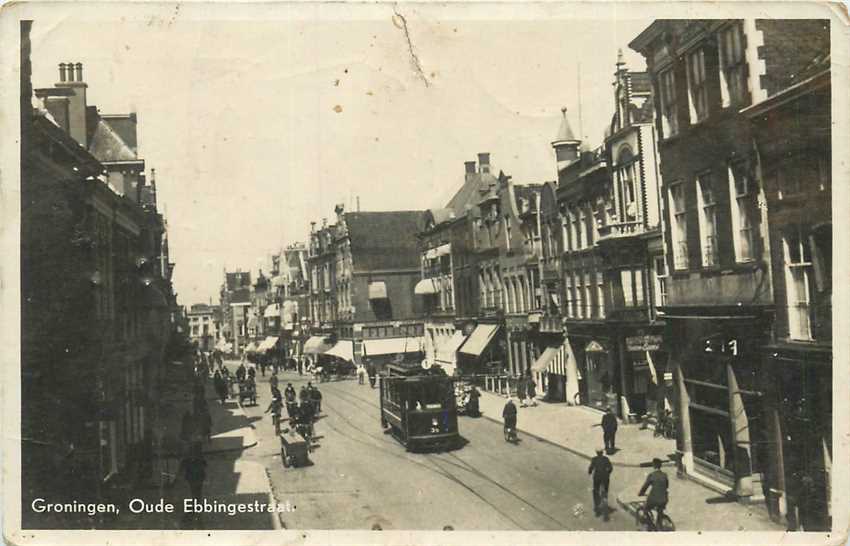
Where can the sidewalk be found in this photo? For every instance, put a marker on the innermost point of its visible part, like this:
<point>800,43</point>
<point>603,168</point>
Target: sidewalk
<point>229,478</point>
<point>576,429</point>
<point>232,430</point>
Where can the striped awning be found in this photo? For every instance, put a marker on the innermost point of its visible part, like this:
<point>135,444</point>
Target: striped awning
<point>479,339</point>
<point>545,359</point>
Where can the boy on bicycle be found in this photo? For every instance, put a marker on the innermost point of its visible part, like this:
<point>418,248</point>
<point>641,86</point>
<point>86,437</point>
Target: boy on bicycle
<point>657,484</point>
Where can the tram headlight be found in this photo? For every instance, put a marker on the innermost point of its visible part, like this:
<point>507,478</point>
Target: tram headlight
<point>435,425</point>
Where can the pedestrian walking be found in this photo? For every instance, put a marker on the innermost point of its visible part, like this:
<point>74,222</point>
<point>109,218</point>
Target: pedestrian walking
<point>509,416</point>
<point>187,427</point>
<point>194,470</point>
<point>220,387</point>
<point>521,390</point>
<point>609,430</point>
<point>531,388</point>
<point>300,367</point>
<point>315,399</point>
<point>273,381</point>
<point>303,395</point>
<point>203,420</point>
<point>601,468</point>
<point>472,408</point>
<point>275,407</point>
<point>240,372</point>
<point>361,374</point>
<point>373,374</point>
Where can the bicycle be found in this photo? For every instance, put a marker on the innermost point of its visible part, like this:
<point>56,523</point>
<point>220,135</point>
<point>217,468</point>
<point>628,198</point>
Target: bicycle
<point>510,434</point>
<point>666,426</point>
<point>644,516</point>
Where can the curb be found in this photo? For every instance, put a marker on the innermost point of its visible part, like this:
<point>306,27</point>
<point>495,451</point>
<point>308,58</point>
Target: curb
<point>565,448</point>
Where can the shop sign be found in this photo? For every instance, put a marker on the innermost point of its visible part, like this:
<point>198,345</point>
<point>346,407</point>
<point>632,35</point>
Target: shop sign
<point>643,343</point>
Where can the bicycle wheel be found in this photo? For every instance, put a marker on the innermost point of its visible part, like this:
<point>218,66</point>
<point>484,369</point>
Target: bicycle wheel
<point>666,524</point>
<point>577,399</point>
<point>641,517</point>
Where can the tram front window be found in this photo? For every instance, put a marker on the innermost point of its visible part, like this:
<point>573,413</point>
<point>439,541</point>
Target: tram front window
<point>427,396</point>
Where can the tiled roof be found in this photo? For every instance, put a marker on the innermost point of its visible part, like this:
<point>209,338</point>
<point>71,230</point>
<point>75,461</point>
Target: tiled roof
<point>469,193</point>
<point>384,240</point>
<point>125,126</point>
<point>107,145</point>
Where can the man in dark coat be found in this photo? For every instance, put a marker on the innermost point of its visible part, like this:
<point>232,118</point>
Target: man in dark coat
<point>601,468</point>
<point>657,484</point>
<point>609,430</point>
<point>194,468</point>
<point>472,407</point>
<point>240,373</point>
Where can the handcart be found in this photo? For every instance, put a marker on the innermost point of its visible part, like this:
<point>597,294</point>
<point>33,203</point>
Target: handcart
<point>247,392</point>
<point>293,450</point>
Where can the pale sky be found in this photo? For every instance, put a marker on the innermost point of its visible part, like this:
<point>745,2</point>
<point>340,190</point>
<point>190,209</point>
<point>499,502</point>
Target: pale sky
<point>239,117</point>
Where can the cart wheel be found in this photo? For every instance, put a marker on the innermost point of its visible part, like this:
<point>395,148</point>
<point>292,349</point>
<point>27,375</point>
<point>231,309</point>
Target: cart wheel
<point>284,458</point>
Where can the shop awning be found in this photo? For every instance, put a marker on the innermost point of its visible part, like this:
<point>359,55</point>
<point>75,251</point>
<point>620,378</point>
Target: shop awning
<point>426,287</point>
<point>544,359</point>
<point>267,344</point>
<point>479,339</point>
<point>343,349</point>
<point>377,290</point>
<point>251,347</point>
<point>374,347</point>
<point>272,311</point>
<point>316,345</point>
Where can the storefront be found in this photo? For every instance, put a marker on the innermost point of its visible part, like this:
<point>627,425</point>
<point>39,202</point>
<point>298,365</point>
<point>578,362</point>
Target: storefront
<point>800,422</point>
<point>647,383</point>
<point>555,370</point>
<point>400,350</point>
<point>720,386</point>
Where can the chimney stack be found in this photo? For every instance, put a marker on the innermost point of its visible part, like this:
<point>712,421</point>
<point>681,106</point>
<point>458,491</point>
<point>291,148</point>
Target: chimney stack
<point>76,119</point>
<point>484,163</point>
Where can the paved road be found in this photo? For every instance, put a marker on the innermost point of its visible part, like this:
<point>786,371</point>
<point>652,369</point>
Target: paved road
<point>361,476</point>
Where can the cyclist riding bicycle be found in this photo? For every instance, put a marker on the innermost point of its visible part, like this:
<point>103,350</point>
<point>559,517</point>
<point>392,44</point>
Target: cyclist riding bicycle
<point>509,415</point>
<point>657,483</point>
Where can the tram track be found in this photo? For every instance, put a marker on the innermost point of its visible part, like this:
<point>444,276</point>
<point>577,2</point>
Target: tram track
<point>448,459</point>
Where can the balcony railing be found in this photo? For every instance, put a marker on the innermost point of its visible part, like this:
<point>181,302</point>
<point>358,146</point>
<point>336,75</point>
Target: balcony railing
<point>621,229</point>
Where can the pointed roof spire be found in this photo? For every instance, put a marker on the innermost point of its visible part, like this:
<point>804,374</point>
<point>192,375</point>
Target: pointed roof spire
<point>565,132</point>
<point>620,61</point>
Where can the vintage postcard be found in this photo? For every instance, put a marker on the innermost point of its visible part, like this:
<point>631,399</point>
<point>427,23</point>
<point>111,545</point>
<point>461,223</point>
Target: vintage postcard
<point>424,273</point>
